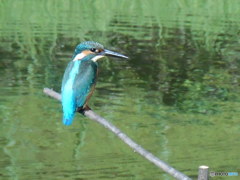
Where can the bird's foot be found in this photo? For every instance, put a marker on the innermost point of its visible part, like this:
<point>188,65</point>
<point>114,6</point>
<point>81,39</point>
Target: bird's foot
<point>83,109</point>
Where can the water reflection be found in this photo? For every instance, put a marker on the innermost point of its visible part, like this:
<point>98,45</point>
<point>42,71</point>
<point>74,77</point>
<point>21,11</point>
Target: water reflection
<point>176,94</point>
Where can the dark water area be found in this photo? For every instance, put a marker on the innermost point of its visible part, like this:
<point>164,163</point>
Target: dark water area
<point>177,95</point>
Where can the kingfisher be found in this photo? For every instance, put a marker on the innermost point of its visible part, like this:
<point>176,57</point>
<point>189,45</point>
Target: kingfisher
<point>80,77</point>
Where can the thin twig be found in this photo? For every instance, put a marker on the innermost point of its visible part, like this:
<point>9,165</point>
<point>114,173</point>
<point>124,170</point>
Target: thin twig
<point>137,148</point>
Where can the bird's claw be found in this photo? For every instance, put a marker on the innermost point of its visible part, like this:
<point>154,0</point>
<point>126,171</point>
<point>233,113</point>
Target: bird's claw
<point>83,109</point>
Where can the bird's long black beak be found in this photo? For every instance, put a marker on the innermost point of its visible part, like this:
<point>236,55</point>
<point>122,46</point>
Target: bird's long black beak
<point>114,54</point>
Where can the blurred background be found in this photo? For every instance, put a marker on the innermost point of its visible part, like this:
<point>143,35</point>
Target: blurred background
<point>177,95</point>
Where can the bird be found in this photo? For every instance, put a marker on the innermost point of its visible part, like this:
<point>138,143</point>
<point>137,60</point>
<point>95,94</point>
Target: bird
<point>80,78</point>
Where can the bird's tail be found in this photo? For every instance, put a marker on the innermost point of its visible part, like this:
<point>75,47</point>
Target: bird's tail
<point>68,119</point>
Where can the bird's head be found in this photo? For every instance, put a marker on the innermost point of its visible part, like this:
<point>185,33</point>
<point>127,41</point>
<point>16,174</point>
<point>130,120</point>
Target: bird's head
<point>91,50</point>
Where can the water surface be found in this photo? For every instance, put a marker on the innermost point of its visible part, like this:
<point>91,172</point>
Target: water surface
<point>177,95</point>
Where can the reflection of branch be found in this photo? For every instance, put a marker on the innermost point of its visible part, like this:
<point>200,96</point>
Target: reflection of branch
<point>137,148</point>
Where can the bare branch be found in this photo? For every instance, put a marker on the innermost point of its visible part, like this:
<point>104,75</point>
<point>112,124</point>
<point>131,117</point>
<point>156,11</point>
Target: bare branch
<point>137,148</point>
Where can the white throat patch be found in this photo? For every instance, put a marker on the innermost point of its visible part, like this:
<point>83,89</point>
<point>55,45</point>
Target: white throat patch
<point>97,57</point>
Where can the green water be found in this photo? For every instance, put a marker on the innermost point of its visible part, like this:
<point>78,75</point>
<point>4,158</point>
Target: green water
<point>177,95</point>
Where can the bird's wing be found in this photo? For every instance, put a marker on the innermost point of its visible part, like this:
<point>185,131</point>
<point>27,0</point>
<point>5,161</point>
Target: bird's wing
<point>84,82</point>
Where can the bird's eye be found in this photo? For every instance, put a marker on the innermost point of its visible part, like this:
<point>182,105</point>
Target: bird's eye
<point>93,49</point>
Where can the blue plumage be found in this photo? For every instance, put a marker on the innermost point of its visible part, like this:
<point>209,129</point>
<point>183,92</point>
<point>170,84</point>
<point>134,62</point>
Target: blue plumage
<point>68,94</point>
<point>78,82</point>
<point>80,77</point>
